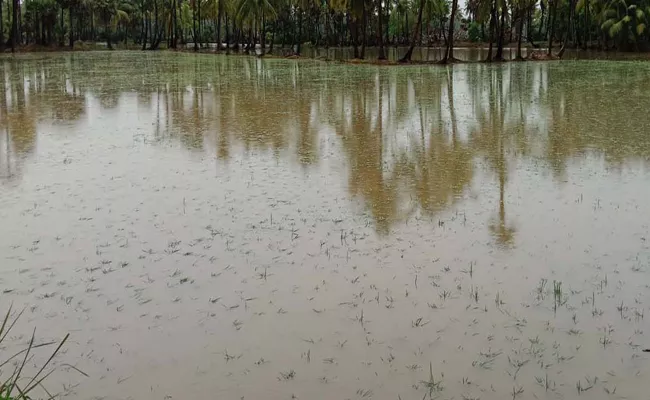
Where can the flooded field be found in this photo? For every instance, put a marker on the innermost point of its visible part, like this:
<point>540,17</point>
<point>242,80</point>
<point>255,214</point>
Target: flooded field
<point>211,227</point>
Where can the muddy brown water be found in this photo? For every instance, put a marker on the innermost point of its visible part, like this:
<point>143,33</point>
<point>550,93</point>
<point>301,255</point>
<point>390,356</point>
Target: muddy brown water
<point>226,227</point>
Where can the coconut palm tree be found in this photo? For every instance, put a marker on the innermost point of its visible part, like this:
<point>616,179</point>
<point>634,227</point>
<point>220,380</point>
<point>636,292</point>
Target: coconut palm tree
<point>416,34</point>
<point>113,12</point>
<point>438,7</point>
<point>449,53</point>
<point>625,21</point>
<point>257,12</point>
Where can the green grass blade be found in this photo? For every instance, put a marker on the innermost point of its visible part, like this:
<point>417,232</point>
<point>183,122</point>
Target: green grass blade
<point>76,369</point>
<point>22,351</point>
<point>4,323</point>
<point>11,326</point>
<point>22,365</point>
<point>29,388</point>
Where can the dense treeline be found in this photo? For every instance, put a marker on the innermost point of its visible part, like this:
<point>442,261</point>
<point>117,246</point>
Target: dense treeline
<point>245,24</point>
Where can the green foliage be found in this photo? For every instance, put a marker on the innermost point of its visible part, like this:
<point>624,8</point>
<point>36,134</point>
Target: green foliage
<point>474,32</point>
<point>624,22</point>
<point>250,9</point>
<point>619,23</point>
<point>185,20</point>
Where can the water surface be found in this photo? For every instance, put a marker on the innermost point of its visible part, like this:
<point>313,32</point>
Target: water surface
<point>227,227</point>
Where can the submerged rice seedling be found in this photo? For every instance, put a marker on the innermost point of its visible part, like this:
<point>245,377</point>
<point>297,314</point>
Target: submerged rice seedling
<point>516,391</point>
<point>287,375</point>
<point>432,385</point>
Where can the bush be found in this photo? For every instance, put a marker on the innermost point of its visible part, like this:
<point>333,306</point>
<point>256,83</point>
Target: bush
<point>474,32</point>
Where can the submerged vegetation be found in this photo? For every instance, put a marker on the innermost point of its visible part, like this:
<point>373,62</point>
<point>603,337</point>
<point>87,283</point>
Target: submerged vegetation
<point>245,24</point>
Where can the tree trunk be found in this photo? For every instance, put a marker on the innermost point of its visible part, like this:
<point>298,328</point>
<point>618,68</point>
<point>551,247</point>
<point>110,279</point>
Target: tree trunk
<point>169,30</point>
<point>493,22</point>
<point>299,41</point>
<point>156,32</point>
<point>2,35</point>
<point>341,31</point>
<point>521,30</point>
<point>363,32</point>
<point>14,24</point>
<point>502,29</point>
<point>442,30</point>
<point>236,32</point>
<point>61,25</point>
<point>529,28</point>
<point>551,25</point>
<point>200,36</point>
<point>272,39</point>
<point>294,39</point>
<point>251,39</point>
<point>19,28</point>
<point>194,34</point>
<point>380,31</point>
<point>174,28</point>
<point>386,31</point>
<point>8,42</point>
<point>315,31</point>
<point>587,38</point>
<point>354,32</point>
<point>414,39</point>
<point>179,33</point>
<point>71,31</point>
<point>512,26</point>
<point>449,53</point>
<point>406,27</point>
<point>107,31</point>
<point>158,35</point>
<point>227,35</point>
<point>219,12</point>
<point>568,31</point>
<point>421,35</point>
<point>144,30</point>
<point>263,36</point>
<point>328,18</point>
<point>541,20</point>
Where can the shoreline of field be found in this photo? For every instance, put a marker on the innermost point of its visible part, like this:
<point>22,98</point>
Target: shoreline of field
<point>532,54</point>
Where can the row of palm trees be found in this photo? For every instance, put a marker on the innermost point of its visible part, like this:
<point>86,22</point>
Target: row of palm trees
<point>620,24</point>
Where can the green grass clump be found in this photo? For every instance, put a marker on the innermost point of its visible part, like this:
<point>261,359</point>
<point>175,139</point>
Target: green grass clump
<point>16,386</point>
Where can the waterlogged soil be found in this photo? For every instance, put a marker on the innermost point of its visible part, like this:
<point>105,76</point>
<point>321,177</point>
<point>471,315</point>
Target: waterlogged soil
<point>233,228</point>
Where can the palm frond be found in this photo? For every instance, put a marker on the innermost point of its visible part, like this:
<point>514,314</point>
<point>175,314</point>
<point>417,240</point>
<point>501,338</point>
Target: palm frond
<point>607,24</point>
<point>615,29</point>
<point>609,13</point>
